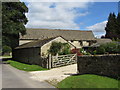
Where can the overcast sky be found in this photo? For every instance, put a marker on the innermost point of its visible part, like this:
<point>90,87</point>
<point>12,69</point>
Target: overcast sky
<point>70,15</point>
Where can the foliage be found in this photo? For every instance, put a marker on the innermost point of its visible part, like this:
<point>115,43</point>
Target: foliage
<point>88,81</point>
<point>74,51</point>
<point>65,49</point>
<point>100,50</point>
<point>59,48</point>
<point>81,50</point>
<point>55,48</point>
<point>7,49</point>
<point>94,52</point>
<point>84,52</point>
<point>25,67</point>
<point>112,47</point>
<point>13,21</point>
<point>113,26</point>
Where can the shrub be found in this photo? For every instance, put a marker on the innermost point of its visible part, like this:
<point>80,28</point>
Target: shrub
<point>60,48</point>
<point>91,50</point>
<point>118,49</point>
<point>81,50</point>
<point>74,51</point>
<point>55,48</point>
<point>111,47</point>
<point>100,50</point>
<point>84,52</point>
<point>65,49</point>
<point>94,52</point>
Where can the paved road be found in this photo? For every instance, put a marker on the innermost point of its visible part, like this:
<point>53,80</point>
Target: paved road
<point>14,78</point>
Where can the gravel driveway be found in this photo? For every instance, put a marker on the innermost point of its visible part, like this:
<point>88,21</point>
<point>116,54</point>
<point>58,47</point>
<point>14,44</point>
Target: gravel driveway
<point>55,75</point>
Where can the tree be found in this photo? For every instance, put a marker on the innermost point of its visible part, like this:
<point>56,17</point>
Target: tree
<point>102,36</point>
<point>113,27</point>
<point>118,25</point>
<point>13,21</point>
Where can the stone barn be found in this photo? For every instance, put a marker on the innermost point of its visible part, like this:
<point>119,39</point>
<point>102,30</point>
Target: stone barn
<point>76,37</point>
<point>33,52</point>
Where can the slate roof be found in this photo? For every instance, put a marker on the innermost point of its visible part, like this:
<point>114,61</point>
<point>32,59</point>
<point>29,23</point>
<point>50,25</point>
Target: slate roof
<point>67,34</point>
<point>100,42</point>
<point>38,43</point>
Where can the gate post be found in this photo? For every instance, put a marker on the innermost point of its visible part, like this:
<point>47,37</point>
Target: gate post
<point>76,58</point>
<point>49,61</point>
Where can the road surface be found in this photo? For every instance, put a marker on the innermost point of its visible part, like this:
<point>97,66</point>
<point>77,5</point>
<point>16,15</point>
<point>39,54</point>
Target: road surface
<point>14,78</point>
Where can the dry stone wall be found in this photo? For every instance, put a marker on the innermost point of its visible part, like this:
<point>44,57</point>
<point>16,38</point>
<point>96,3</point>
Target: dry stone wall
<point>106,65</point>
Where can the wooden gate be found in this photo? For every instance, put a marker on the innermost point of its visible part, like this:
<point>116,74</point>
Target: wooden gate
<point>63,60</point>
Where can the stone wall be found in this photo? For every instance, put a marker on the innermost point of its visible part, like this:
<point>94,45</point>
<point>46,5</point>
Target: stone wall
<point>29,56</point>
<point>106,65</point>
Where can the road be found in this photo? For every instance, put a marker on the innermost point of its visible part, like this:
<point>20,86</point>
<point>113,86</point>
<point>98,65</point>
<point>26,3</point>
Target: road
<point>14,78</point>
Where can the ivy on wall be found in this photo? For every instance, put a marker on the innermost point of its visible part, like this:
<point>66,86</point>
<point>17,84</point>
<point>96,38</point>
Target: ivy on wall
<point>59,48</point>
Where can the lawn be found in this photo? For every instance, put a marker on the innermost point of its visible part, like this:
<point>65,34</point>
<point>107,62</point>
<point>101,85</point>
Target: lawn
<point>25,67</point>
<point>6,56</point>
<point>88,81</point>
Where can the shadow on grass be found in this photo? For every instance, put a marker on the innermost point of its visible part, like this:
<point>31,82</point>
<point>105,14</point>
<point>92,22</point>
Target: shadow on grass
<point>71,74</point>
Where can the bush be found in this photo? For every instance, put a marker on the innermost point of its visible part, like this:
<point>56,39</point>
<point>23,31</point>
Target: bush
<point>112,47</point>
<point>81,50</point>
<point>100,50</point>
<point>60,48</point>
<point>74,51</point>
<point>84,52</point>
<point>118,49</point>
<point>64,51</point>
<point>55,48</point>
<point>6,49</point>
<point>94,52</point>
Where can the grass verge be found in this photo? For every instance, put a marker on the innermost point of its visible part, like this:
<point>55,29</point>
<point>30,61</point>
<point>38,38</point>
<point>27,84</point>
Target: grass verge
<point>25,67</point>
<point>6,56</point>
<point>88,81</point>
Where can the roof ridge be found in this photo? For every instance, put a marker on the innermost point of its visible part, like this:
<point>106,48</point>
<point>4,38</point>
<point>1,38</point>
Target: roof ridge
<point>58,29</point>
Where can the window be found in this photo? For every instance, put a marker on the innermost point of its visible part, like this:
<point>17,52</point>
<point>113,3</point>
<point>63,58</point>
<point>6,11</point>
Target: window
<point>81,43</point>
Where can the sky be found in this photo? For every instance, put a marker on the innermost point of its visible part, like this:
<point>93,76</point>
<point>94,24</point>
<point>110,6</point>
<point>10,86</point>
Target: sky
<point>70,15</point>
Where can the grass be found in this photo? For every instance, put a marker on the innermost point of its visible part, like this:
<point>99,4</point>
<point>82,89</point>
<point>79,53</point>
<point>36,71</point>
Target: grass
<point>88,81</point>
<point>25,67</point>
<point>6,56</point>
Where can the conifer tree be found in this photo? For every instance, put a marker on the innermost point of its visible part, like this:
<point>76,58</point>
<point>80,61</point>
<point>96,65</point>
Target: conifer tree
<point>118,26</point>
<point>111,27</point>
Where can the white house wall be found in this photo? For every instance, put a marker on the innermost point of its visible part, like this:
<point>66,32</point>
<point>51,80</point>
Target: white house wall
<point>85,43</point>
<point>76,43</point>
